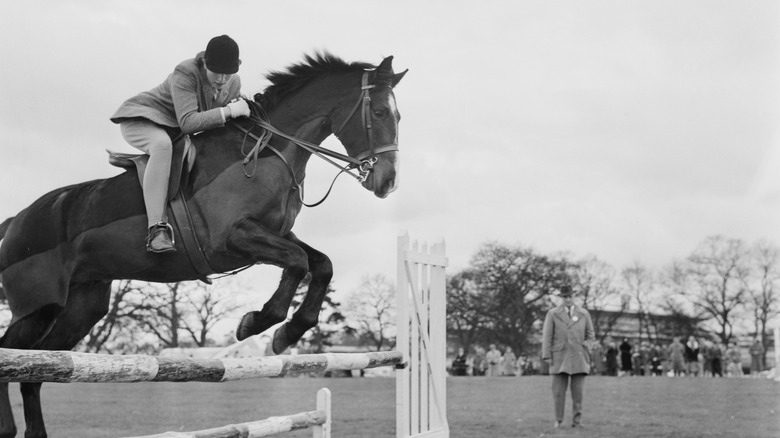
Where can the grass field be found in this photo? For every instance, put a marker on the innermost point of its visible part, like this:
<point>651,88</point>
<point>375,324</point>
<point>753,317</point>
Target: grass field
<point>477,407</point>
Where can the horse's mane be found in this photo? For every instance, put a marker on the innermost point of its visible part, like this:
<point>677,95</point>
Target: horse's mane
<point>298,75</point>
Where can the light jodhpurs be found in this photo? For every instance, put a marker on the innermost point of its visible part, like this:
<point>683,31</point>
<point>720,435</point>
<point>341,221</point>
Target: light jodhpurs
<point>559,384</point>
<point>153,140</point>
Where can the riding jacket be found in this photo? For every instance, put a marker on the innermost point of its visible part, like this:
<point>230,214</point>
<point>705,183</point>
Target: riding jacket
<point>564,340</point>
<point>185,100</point>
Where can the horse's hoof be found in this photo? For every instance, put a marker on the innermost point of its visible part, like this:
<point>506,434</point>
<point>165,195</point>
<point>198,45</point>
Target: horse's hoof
<point>280,342</point>
<point>246,327</point>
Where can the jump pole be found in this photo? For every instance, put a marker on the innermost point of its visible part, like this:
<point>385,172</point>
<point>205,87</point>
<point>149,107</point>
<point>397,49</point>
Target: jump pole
<point>319,421</point>
<point>69,366</point>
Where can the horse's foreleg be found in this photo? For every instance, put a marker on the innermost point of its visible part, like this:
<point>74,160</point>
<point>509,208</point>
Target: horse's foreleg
<point>251,239</point>
<point>33,415</point>
<point>26,333</point>
<point>307,315</point>
<point>86,304</point>
<point>7,426</point>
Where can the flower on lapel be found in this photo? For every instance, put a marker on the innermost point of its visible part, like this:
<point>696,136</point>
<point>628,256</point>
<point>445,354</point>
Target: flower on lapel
<point>575,318</point>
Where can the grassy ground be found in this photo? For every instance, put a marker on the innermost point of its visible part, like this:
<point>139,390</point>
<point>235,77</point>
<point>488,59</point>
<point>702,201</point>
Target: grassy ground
<point>477,407</point>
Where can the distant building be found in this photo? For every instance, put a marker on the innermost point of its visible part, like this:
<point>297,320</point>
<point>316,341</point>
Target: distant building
<point>635,326</point>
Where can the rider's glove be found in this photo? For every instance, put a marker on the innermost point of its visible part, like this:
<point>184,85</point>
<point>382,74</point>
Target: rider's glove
<point>238,108</point>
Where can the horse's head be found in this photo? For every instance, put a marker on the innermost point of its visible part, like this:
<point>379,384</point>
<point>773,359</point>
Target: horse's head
<point>368,127</point>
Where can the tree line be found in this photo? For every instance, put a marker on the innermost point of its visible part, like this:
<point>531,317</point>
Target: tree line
<point>724,287</point>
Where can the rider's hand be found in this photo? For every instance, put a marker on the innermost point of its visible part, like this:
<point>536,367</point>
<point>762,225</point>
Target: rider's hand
<point>238,108</point>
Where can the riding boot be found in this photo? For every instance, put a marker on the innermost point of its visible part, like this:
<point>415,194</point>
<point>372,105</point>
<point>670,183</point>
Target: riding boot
<point>160,238</point>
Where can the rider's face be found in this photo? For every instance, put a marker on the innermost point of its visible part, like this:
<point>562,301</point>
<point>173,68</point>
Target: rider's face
<point>218,80</point>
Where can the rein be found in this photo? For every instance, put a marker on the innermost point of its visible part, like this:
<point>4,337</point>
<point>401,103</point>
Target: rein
<point>363,162</point>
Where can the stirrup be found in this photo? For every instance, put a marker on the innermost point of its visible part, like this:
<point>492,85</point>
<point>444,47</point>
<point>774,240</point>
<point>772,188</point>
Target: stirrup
<point>159,228</point>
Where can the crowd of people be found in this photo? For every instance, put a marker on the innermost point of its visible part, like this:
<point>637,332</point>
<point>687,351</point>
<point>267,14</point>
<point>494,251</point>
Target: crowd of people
<point>681,357</point>
<point>492,362</point>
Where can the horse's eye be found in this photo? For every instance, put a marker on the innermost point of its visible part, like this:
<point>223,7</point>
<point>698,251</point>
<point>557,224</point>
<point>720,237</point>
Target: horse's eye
<point>380,113</point>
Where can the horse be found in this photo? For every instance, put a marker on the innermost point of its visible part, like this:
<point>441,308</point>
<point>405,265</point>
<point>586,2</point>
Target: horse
<point>59,256</point>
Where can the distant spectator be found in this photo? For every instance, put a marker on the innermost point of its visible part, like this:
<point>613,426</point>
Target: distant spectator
<point>459,364</point>
<point>692,356</point>
<point>734,357</point>
<point>676,353</point>
<point>478,368</point>
<point>645,357</point>
<point>636,364</point>
<point>520,364</point>
<point>612,363</point>
<point>493,358</point>
<point>510,362</point>
<point>656,369</point>
<point>706,358</point>
<point>717,357</point>
<point>660,354</point>
<point>597,359</point>
<point>625,356</point>
<point>756,358</point>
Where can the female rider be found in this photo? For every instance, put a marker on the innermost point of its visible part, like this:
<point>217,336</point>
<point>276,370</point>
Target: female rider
<point>198,95</point>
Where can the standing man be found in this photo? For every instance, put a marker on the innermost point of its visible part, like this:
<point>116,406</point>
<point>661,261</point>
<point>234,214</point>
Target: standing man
<point>567,331</point>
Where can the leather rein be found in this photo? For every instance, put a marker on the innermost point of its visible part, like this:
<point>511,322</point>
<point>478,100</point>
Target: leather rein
<point>363,162</point>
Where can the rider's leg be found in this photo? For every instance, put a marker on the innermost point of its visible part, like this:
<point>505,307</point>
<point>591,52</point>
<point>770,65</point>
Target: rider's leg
<point>153,140</point>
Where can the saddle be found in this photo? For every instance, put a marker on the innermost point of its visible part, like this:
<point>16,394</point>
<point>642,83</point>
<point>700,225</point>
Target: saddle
<point>181,164</point>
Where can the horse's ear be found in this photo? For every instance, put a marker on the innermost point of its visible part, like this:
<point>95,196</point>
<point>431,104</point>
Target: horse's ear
<point>397,77</point>
<point>384,72</point>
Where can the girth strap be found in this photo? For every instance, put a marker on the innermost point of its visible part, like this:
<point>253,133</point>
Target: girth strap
<point>180,213</point>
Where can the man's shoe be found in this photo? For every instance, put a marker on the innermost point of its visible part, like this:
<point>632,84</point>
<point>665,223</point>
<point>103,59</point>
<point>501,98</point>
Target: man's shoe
<point>557,424</point>
<point>160,238</point>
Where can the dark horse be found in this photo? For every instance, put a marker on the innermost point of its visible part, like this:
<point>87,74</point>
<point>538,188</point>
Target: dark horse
<point>59,256</point>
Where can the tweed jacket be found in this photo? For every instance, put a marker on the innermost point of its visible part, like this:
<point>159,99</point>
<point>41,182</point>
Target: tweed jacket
<point>564,340</point>
<point>185,100</point>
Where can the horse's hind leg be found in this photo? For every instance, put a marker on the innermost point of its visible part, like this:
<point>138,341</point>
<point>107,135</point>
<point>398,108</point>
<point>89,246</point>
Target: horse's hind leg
<point>24,333</point>
<point>86,305</point>
<point>307,315</point>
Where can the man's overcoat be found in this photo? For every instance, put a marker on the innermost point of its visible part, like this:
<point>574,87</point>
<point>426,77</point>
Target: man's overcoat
<point>565,340</point>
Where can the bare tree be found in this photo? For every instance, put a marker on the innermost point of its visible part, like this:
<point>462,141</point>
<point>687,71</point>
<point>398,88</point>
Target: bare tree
<point>674,282</point>
<point>640,283</point>
<point>718,270</point>
<point>765,288</point>
<point>594,279</point>
<point>204,306</point>
<point>117,323</point>
<point>372,305</point>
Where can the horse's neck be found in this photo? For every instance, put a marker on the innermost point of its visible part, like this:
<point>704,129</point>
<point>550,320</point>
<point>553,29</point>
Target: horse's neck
<point>302,115</point>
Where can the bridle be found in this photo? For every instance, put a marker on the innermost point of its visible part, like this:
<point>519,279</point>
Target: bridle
<point>365,101</point>
<point>363,162</point>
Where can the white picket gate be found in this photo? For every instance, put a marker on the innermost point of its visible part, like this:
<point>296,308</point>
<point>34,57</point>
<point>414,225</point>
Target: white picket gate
<point>421,391</point>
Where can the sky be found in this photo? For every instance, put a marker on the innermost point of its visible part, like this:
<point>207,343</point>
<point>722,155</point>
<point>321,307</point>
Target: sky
<point>625,130</point>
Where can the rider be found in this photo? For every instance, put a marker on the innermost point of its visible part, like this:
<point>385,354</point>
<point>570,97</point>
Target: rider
<point>200,94</point>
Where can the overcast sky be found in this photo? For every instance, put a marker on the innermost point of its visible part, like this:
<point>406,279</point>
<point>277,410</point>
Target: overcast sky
<point>627,130</point>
